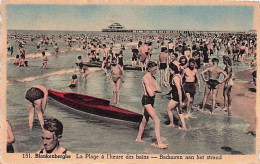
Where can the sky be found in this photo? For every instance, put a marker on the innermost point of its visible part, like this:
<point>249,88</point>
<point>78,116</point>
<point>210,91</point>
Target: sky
<point>97,17</point>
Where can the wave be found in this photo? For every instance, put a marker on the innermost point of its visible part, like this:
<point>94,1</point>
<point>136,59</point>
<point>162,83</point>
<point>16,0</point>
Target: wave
<point>27,79</point>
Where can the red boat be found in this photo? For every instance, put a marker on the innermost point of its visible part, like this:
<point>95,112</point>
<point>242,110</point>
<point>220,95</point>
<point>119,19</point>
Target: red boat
<point>94,105</point>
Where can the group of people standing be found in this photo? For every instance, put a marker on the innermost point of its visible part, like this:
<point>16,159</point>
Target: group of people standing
<point>183,80</point>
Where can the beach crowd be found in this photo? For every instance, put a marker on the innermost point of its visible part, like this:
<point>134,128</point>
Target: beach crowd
<point>184,61</point>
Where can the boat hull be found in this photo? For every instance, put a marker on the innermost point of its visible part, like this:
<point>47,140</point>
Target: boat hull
<point>94,105</point>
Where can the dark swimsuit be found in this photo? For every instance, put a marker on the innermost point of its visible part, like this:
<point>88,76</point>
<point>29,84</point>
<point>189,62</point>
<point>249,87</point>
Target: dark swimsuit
<point>175,95</point>
<point>65,151</point>
<point>163,66</point>
<point>146,100</point>
<point>34,94</point>
<point>242,51</point>
<point>190,87</point>
<point>72,85</point>
<point>212,83</point>
<point>10,148</point>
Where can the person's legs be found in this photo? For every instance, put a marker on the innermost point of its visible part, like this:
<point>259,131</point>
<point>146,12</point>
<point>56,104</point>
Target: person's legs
<point>189,99</point>
<point>179,112</point>
<point>31,112</point>
<point>206,94</point>
<point>142,66</point>
<point>214,97</point>
<point>156,120</point>
<point>225,98</point>
<point>161,76</point>
<point>113,84</point>
<point>172,104</point>
<point>145,64</point>
<point>141,130</point>
<point>38,109</point>
<point>229,97</point>
<point>118,90</point>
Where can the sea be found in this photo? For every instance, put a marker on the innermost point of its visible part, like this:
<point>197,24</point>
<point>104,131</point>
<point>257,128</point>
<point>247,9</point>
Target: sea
<point>87,133</point>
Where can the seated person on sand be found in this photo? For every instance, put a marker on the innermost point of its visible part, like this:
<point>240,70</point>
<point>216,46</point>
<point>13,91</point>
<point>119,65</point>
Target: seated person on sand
<point>36,99</point>
<point>212,83</point>
<point>73,82</point>
<point>51,137</point>
<point>150,88</point>
<point>117,74</point>
<point>10,138</point>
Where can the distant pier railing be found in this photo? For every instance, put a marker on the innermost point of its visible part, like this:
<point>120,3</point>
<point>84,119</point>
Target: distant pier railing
<point>168,31</point>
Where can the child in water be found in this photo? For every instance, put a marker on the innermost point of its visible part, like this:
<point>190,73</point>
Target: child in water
<point>21,61</point>
<point>73,82</point>
<point>44,60</point>
<point>16,61</point>
<point>80,63</point>
<point>86,71</point>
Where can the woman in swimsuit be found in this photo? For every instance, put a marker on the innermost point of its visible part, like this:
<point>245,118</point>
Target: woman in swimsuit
<point>117,74</point>
<point>178,96</point>
<point>228,84</point>
<point>51,137</point>
<point>36,100</point>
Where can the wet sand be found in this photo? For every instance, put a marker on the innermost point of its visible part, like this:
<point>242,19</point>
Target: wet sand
<point>243,96</point>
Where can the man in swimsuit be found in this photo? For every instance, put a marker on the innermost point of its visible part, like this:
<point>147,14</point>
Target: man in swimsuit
<point>191,77</point>
<point>163,61</point>
<point>142,55</point>
<point>212,84</point>
<point>51,136</point>
<point>170,47</point>
<point>150,87</point>
<point>36,100</point>
<point>134,56</point>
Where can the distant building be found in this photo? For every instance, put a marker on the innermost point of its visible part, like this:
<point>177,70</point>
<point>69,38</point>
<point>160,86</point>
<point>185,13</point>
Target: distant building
<point>116,27</point>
